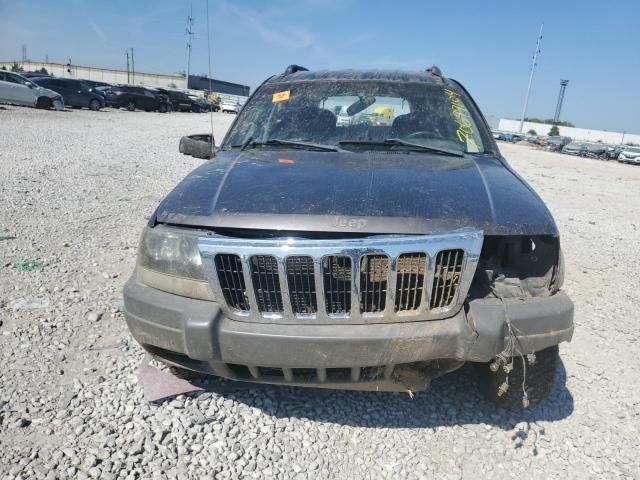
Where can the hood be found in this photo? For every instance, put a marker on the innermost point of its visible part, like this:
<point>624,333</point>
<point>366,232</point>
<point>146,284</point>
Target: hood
<point>362,192</point>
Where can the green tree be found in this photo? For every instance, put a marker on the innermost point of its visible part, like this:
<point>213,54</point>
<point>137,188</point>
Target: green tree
<point>532,132</point>
<point>554,131</point>
<point>43,71</point>
<point>3,68</point>
<point>16,68</point>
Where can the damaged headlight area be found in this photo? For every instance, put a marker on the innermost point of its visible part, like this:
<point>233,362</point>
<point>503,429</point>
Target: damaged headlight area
<point>520,266</point>
<point>169,260</point>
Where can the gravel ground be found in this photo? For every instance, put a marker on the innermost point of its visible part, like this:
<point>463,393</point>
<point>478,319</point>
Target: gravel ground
<point>75,190</point>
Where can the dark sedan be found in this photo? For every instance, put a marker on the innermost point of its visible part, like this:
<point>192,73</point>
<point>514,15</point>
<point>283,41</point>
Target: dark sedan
<point>132,98</point>
<point>74,92</point>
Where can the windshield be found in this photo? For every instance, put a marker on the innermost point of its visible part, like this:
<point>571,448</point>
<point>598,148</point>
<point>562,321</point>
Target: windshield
<point>359,115</point>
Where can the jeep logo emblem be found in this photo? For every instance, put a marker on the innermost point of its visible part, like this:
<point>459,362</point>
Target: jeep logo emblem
<point>355,223</point>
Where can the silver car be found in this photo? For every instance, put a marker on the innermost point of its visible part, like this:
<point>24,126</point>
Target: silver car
<point>630,155</point>
<point>18,90</point>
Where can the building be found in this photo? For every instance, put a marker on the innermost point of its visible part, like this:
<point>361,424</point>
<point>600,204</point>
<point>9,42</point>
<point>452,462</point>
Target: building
<point>108,75</point>
<point>218,86</point>
<point>584,134</point>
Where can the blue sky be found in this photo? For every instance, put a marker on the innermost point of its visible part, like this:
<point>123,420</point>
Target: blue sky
<point>486,45</point>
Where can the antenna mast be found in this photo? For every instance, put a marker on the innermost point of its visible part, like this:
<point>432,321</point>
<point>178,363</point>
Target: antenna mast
<point>189,32</point>
<point>534,64</point>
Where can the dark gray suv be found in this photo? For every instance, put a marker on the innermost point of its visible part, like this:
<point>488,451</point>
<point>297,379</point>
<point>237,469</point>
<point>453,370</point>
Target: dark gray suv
<point>353,255</point>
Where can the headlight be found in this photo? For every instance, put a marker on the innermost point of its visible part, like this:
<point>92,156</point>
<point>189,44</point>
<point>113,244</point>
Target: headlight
<point>170,261</point>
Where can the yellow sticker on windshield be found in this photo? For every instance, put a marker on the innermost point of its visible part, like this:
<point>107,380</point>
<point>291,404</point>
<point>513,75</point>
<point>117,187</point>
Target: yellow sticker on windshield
<point>462,117</point>
<point>281,96</point>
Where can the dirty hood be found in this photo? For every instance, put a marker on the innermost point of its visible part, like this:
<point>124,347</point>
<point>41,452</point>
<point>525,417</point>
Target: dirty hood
<point>359,192</point>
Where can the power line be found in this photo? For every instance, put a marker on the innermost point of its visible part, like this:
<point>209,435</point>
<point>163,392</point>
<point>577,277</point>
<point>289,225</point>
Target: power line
<point>189,32</point>
<point>563,87</point>
<point>133,69</point>
<point>534,64</point>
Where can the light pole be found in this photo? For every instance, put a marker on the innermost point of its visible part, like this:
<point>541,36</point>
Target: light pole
<point>534,64</point>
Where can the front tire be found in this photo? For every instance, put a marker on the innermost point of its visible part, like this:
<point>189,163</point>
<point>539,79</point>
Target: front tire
<point>131,106</point>
<point>94,105</point>
<point>44,103</point>
<point>162,108</point>
<point>540,377</point>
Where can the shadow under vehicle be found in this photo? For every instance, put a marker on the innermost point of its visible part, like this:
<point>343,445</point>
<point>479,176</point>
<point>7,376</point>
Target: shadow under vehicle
<point>307,252</point>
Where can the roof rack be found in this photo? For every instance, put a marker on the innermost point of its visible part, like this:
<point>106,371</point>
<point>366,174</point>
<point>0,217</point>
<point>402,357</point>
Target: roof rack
<point>295,68</point>
<point>435,70</point>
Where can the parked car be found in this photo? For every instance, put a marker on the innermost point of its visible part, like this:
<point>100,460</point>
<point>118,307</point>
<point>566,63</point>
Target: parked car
<point>18,90</point>
<point>229,106</point>
<point>597,150</point>
<point>555,144</point>
<point>203,105</point>
<point>179,101</point>
<point>613,151</point>
<point>575,148</point>
<point>131,98</point>
<point>306,253</point>
<point>74,92</point>
<point>630,155</point>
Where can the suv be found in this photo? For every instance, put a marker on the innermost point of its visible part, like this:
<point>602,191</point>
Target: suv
<point>180,102</point>
<point>75,92</point>
<point>629,155</point>
<point>360,256</point>
<point>125,96</point>
<point>18,90</point>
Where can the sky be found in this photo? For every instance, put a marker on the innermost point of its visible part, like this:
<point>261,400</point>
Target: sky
<point>487,45</point>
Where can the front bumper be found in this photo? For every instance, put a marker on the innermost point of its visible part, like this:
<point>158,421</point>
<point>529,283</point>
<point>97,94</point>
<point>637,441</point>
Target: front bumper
<point>196,335</point>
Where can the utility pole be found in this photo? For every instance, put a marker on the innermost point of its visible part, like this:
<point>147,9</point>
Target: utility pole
<point>534,64</point>
<point>46,58</point>
<point>189,32</point>
<point>133,68</point>
<point>24,52</point>
<point>563,87</point>
<point>128,80</point>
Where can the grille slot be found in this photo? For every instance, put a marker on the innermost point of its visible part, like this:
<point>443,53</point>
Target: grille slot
<point>266,283</point>
<point>446,278</point>
<point>302,285</point>
<point>374,275</point>
<point>410,281</point>
<point>336,275</point>
<point>229,268</point>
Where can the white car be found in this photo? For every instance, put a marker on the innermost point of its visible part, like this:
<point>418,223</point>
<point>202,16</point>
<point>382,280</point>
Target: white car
<point>229,107</point>
<point>630,155</point>
<point>18,90</point>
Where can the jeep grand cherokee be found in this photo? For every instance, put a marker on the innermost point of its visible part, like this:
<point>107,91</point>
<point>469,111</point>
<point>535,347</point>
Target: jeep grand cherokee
<point>313,252</point>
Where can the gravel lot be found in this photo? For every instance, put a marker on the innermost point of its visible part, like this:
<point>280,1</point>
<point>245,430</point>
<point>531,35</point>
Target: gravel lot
<point>75,190</point>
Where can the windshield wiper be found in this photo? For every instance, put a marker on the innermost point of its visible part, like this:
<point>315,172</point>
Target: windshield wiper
<point>249,143</point>
<point>396,142</point>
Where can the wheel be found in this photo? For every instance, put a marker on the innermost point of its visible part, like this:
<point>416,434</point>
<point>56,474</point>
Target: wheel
<point>94,105</point>
<point>540,377</point>
<point>44,103</point>
<point>131,106</point>
<point>162,108</point>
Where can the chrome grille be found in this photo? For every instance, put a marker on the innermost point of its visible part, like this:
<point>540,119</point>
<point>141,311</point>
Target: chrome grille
<point>336,274</point>
<point>231,280</point>
<point>266,283</point>
<point>411,268</point>
<point>375,279</point>
<point>446,278</point>
<point>302,285</point>
<point>374,276</point>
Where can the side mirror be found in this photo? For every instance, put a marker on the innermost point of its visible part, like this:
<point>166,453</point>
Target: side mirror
<point>29,84</point>
<point>198,146</point>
